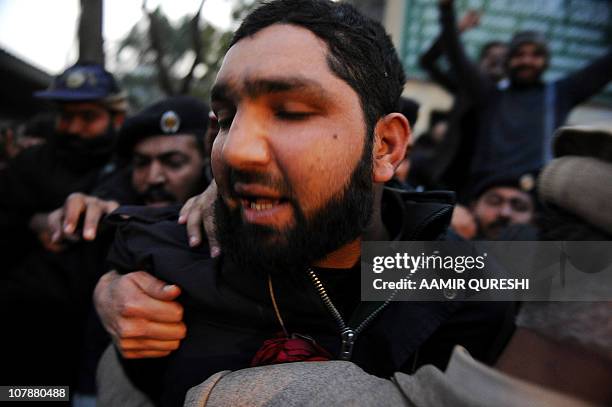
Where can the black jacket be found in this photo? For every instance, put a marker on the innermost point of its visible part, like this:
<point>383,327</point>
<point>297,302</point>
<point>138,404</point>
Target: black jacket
<point>229,315</point>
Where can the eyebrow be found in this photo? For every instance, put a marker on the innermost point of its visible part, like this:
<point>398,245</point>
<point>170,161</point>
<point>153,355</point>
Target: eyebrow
<point>254,88</point>
<point>163,156</point>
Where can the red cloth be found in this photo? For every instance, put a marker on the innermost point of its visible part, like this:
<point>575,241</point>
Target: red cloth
<point>285,350</point>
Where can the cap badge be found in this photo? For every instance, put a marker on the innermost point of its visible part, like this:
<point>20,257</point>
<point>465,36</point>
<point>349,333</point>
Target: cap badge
<point>170,122</point>
<point>75,79</point>
<point>527,182</point>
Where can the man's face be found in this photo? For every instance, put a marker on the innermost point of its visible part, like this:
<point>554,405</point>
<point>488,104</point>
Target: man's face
<point>492,62</point>
<point>499,207</point>
<point>286,157</point>
<point>167,169</point>
<point>527,64</point>
<point>83,119</point>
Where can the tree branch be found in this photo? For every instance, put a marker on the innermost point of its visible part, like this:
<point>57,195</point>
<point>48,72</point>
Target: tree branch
<point>196,40</point>
<point>155,37</point>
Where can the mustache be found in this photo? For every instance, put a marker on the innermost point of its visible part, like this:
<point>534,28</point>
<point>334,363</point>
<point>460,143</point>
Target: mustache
<point>499,223</point>
<point>259,178</point>
<point>157,193</point>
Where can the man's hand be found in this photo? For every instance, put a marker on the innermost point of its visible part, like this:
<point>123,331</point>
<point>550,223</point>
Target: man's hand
<point>140,314</point>
<point>469,20</point>
<point>199,211</point>
<point>44,225</point>
<point>77,205</point>
<point>463,222</point>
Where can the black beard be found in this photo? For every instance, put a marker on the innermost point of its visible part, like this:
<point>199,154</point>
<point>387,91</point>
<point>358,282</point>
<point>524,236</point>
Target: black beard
<point>83,154</point>
<point>266,250</point>
<point>157,193</point>
<point>494,229</point>
<point>522,82</point>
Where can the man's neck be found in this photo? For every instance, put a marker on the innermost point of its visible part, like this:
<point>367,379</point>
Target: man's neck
<point>558,366</point>
<point>348,255</point>
<point>343,258</point>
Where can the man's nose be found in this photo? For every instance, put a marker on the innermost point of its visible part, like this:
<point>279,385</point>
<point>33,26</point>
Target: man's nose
<point>246,143</point>
<point>506,210</point>
<point>75,125</point>
<point>156,174</point>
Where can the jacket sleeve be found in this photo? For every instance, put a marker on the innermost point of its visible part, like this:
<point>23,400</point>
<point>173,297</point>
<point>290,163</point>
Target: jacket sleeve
<point>586,82</point>
<point>18,197</point>
<point>468,74</point>
<point>429,63</point>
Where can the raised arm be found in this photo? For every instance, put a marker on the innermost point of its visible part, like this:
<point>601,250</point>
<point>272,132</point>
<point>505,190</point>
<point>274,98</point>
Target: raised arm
<point>588,81</point>
<point>429,60</point>
<point>468,73</point>
<point>429,63</point>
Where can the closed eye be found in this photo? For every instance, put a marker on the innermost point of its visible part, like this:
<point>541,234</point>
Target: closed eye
<point>292,116</point>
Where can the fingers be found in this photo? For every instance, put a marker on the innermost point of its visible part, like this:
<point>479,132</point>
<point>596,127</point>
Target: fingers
<point>141,330</point>
<point>139,313</point>
<point>186,209</point>
<point>94,209</point>
<point>194,226</point>
<point>132,345</point>
<point>73,208</point>
<point>209,227</point>
<point>198,214</point>
<point>154,287</point>
<point>144,354</point>
<point>54,221</point>
<point>190,215</point>
<point>143,306</point>
<point>92,218</point>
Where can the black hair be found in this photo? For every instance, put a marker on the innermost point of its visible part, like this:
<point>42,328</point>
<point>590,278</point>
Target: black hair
<point>360,51</point>
<point>488,45</point>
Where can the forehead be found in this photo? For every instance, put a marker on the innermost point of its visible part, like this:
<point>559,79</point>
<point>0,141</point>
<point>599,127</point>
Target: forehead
<point>276,52</point>
<point>496,50</point>
<point>508,193</point>
<point>529,47</point>
<point>162,144</point>
<point>80,106</point>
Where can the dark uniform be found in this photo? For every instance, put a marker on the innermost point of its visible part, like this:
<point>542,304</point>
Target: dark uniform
<point>46,296</point>
<point>173,116</point>
<point>228,311</point>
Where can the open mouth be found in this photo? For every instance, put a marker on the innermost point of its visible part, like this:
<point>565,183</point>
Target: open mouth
<point>265,210</point>
<point>260,204</point>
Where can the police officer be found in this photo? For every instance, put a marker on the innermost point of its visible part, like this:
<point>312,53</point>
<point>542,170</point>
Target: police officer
<point>164,145</point>
<point>41,290</point>
<point>91,108</point>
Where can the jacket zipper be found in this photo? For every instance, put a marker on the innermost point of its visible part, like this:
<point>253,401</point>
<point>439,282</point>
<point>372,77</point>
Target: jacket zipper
<point>347,334</point>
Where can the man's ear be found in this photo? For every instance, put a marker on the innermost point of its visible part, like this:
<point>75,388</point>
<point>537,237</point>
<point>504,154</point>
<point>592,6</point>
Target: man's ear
<point>391,137</point>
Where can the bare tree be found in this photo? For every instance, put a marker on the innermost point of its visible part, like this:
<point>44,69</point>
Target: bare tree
<point>157,45</point>
<point>196,40</point>
<point>91,42</point>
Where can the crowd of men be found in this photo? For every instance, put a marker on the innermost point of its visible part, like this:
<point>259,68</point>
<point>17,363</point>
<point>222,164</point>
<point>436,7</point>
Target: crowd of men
<point>222,245</point>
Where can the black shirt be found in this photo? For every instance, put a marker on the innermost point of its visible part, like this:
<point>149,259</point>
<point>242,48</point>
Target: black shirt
<point>229,314</point>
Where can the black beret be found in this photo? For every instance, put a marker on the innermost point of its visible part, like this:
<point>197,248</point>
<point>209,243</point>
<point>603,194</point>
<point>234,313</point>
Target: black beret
<point>525,181</point>
<point>172,116</point>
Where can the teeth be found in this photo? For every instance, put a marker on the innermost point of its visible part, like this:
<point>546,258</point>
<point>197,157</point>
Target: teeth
<point>261,206</point>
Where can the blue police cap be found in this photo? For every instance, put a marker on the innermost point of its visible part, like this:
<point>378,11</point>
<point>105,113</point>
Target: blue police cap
<point>82,82</point>
<point>176,115</point>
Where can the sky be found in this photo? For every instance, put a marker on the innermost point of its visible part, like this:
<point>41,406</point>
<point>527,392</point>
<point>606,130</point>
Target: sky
<point>43,32</point>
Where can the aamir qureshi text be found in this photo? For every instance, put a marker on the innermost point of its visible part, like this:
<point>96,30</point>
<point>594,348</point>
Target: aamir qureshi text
<point>457,264</point>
